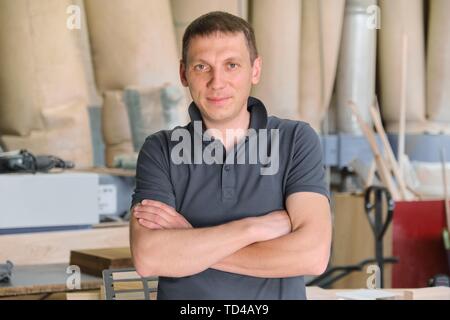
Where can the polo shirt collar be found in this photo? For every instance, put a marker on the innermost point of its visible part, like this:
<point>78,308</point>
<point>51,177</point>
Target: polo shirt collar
<point>258,113</point>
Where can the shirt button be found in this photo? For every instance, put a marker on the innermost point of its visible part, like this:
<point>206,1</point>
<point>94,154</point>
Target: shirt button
<point>228,193</point>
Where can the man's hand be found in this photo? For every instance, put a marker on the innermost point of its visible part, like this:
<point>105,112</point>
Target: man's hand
<point>157,215</point>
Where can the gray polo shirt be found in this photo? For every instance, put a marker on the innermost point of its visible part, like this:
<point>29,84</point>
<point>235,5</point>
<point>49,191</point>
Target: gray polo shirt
<point>211,194</point>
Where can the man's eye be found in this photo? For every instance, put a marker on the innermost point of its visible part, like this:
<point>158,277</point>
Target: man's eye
<point>200,67</point>
<point>233,65</point>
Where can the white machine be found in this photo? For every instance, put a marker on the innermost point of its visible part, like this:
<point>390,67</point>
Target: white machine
<point>29,202</point>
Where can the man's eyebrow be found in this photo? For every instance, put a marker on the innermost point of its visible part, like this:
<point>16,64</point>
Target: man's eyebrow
<point>233,58</point>
<point>200,60</point>
<point>197,61</point>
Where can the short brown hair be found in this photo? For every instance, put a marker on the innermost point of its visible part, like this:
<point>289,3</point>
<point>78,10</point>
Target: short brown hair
<point>218,21</point>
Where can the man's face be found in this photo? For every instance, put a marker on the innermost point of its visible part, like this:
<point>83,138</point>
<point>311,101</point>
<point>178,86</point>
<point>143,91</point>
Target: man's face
<point>220,75</point>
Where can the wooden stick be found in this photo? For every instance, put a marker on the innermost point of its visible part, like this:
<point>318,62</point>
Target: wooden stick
<point>371,174</point>
<point>402,119</point>
<point>381,165</point>
<point>446,198</point>
<point>395,166</point>
<point>376,118</point>
<point>418,195</point>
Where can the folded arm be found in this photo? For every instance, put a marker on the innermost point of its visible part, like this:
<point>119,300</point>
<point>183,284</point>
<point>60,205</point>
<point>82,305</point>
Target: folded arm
<point>304,251</point>
<point>179,252</point>
<point>260,247</point>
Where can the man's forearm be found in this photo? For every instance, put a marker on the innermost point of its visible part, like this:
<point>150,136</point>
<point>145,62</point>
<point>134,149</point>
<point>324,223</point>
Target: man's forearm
<point>304,251</point>
<point>163,243</point>
<point>184,252</point>
<point>297,253</point>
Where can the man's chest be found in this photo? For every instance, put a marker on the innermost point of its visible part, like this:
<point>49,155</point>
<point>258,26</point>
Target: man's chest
<point>209,195</point>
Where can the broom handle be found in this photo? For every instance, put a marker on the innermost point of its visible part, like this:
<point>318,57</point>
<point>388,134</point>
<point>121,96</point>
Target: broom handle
<point>444,174</point>
<point>402,119</point>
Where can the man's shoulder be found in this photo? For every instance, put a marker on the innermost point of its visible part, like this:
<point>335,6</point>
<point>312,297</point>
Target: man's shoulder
<point>291,128</point>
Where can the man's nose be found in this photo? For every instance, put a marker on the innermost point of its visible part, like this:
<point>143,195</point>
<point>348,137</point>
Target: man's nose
<point>217,79</point>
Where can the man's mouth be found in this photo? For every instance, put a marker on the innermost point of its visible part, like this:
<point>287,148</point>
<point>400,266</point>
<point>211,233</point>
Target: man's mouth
<point>217,100</point>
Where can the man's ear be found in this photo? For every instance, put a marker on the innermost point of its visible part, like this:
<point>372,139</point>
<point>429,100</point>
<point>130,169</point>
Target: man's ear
<point>256,70</point>
<point>183,74</point>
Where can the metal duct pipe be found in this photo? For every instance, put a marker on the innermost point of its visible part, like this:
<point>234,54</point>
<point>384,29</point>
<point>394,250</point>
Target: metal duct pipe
<point>356,67</point>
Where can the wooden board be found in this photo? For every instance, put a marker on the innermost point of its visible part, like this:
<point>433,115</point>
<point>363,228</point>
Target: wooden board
<point>44,279</point>
<point>436,293</point>
<point>94,261</point>
<point>54,247</point>
<point>84,295</point>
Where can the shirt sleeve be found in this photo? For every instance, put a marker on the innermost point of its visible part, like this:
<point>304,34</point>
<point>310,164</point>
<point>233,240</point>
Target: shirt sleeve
<point>153,173</point>
<point>306,170</point>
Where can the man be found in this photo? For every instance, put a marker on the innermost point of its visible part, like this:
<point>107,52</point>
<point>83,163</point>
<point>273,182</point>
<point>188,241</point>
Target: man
<point>220,230</point>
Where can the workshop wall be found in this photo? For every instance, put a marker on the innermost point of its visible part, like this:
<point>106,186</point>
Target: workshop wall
<point>43,87</point>
<point>317,55</point>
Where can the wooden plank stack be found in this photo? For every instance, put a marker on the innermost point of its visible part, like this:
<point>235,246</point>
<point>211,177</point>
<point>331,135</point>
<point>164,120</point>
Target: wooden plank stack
<point>94,261</point>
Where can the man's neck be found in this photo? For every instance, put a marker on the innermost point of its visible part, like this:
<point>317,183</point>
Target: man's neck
<point>231,132</point>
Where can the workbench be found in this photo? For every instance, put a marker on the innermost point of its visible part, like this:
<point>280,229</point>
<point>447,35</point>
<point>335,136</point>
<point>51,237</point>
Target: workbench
<point>41,281</point>
<point>431,293</point>
<point>45,281</point>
